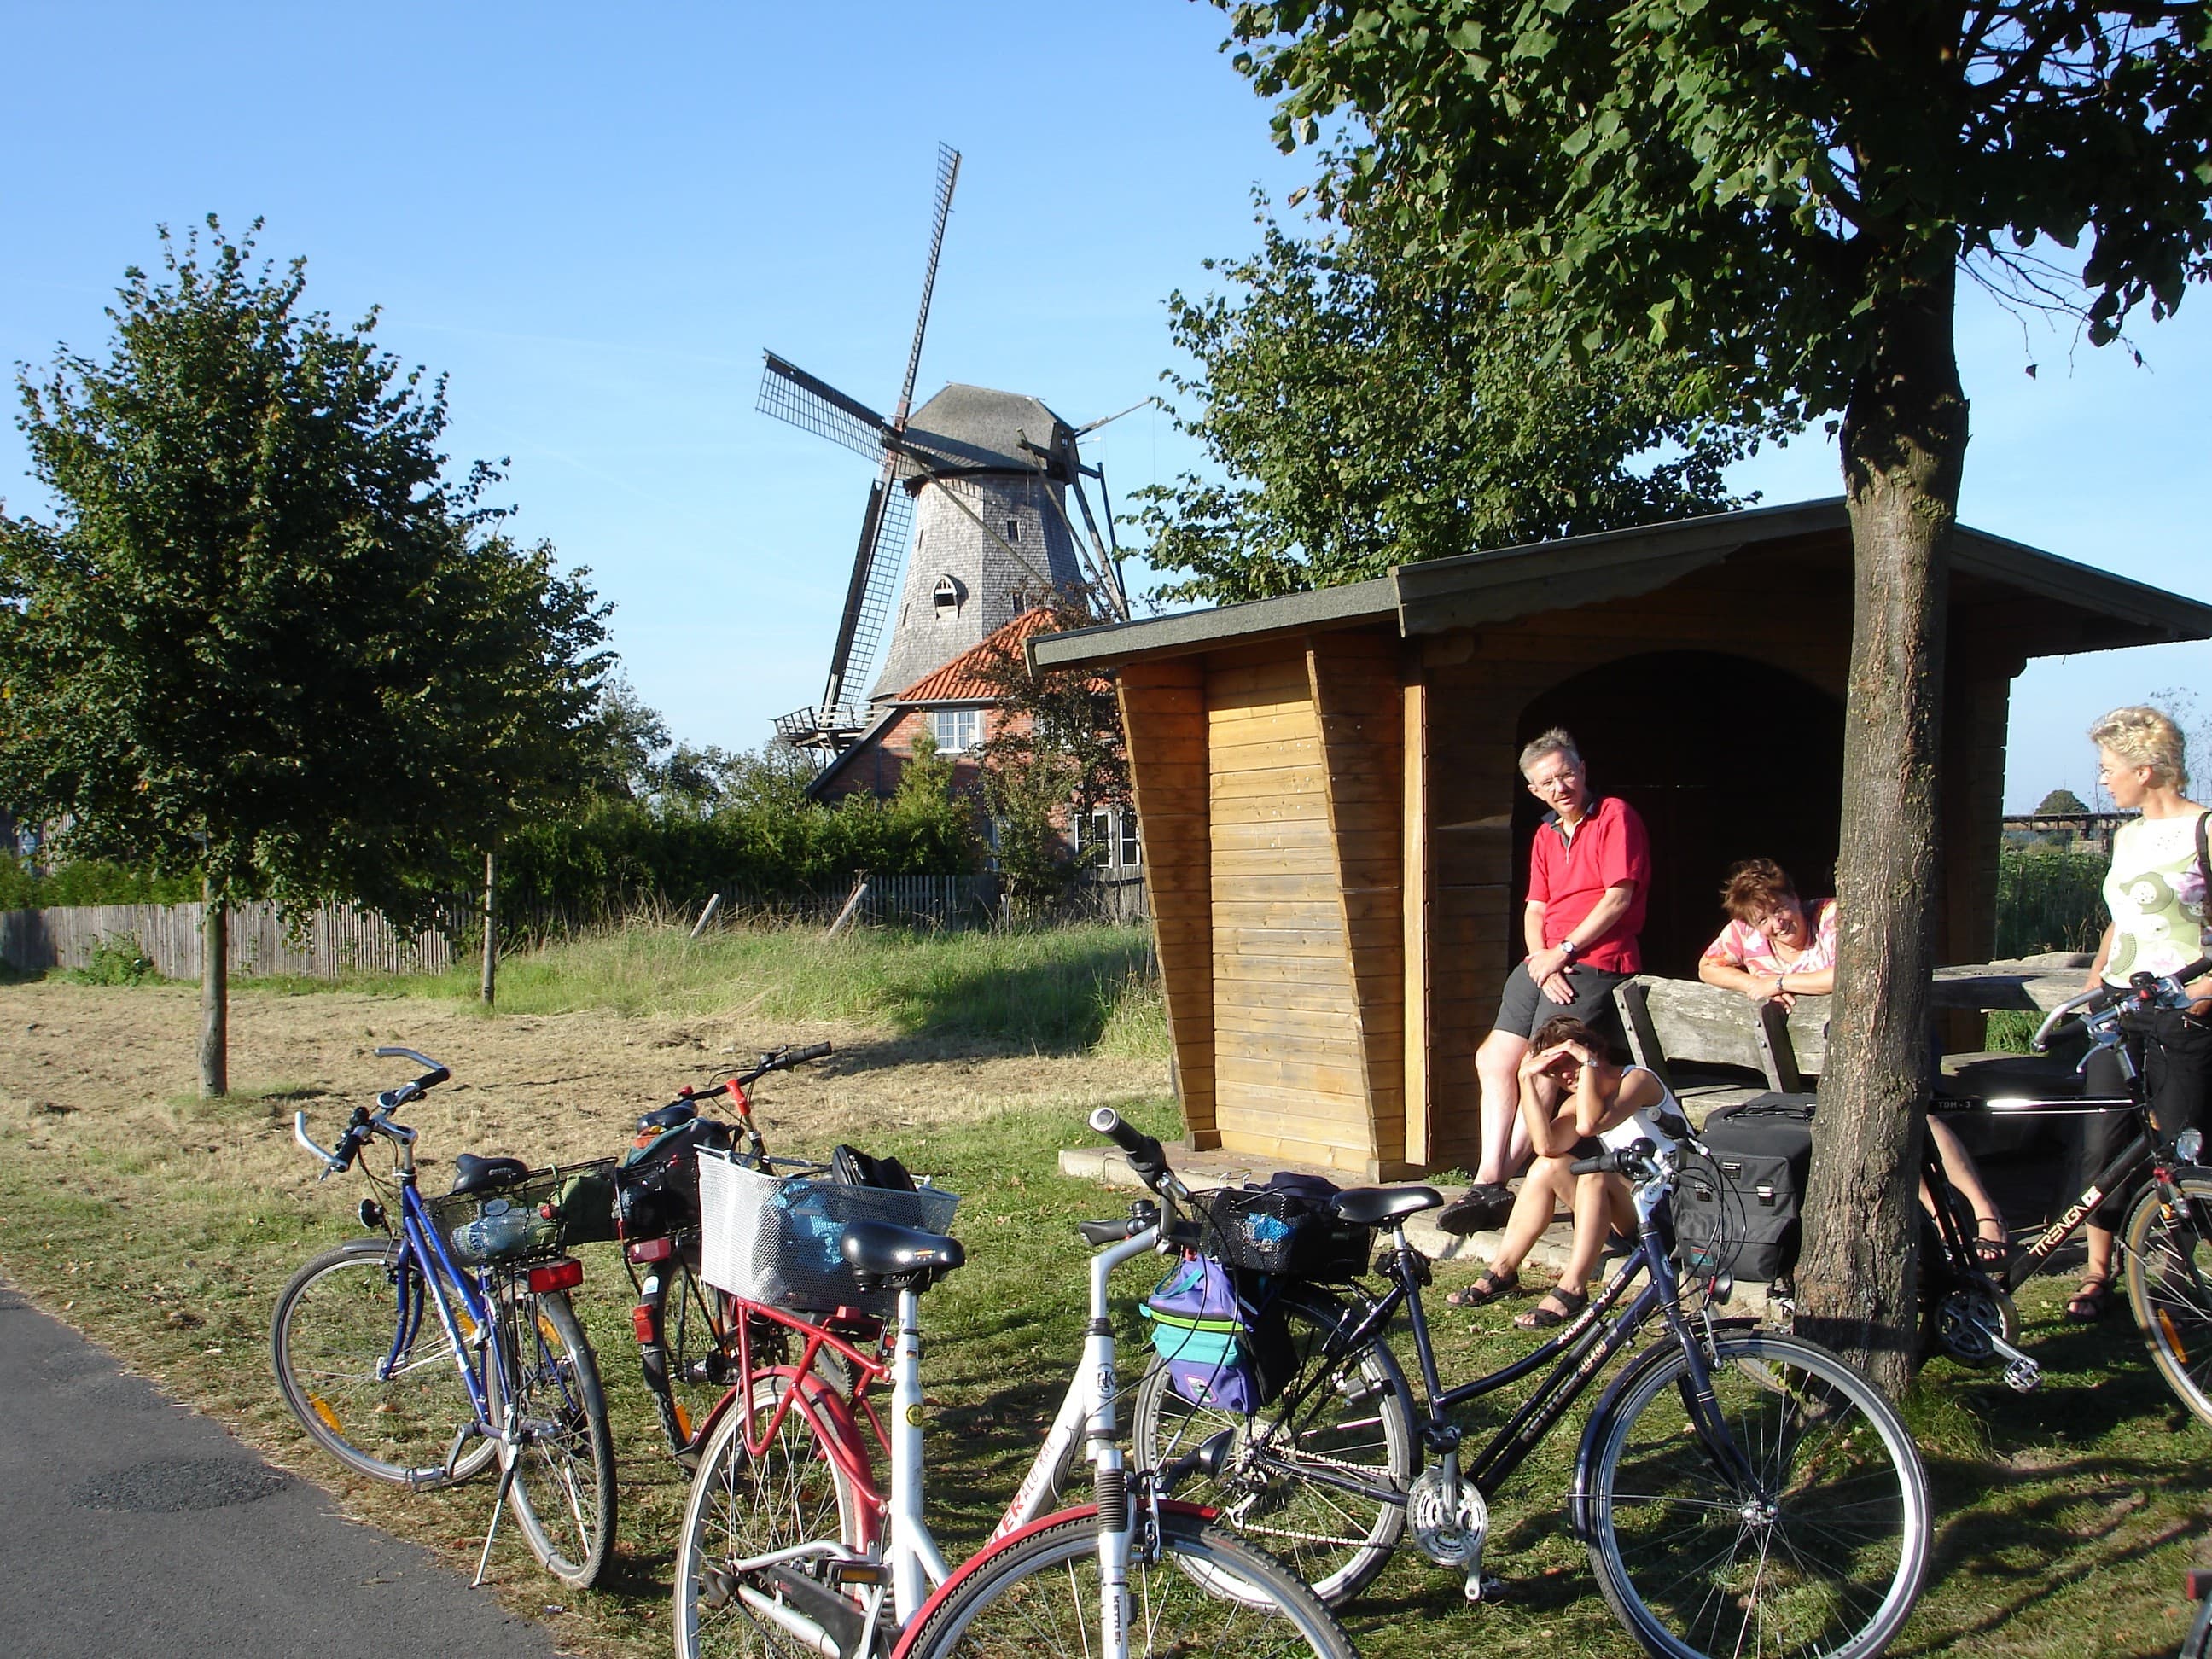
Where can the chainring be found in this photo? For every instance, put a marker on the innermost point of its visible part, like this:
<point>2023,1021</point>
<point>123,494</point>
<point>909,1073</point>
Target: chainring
<point>1967,1318</point>
<point>1449,1538</point>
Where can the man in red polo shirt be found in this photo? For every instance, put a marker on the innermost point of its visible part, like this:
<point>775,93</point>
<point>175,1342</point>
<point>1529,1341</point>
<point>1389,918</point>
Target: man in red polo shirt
<point>1590,870</point>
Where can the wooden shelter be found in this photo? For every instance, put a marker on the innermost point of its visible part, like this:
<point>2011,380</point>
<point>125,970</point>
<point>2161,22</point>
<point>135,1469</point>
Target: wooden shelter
<point>1336,836</point>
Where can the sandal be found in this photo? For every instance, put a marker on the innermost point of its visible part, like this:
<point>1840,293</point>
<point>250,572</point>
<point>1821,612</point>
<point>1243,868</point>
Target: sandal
<point>1542,1318</point>
<point>2093,1301</point>
<point>1991,1255</point>
<point>1490,1287</point>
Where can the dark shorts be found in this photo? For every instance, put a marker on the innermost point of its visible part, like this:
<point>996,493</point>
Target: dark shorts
<point>1523,1008</point>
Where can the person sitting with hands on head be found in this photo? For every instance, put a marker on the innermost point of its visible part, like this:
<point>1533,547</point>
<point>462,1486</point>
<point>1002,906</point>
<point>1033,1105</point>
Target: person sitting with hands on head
<point>1575,1103</point>
<point>1589,876</point>
<point>1777,948</point>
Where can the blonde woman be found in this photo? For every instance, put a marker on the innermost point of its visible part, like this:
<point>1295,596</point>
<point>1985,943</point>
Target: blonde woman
<point>2154,892</point>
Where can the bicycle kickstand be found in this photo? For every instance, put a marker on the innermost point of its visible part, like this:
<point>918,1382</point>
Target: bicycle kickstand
<point>509,1465</point>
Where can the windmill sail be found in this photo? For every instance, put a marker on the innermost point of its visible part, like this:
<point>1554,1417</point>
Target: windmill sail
<point>790,393</point>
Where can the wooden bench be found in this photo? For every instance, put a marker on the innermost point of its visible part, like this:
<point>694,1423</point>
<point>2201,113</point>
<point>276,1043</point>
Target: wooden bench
<point>1713,1047</point>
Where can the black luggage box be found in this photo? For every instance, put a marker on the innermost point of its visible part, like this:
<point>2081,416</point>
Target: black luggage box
<point>1739,1213</point>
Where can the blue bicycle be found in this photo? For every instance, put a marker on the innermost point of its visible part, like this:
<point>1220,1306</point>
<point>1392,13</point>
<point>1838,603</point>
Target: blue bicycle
<point>444,1342</point>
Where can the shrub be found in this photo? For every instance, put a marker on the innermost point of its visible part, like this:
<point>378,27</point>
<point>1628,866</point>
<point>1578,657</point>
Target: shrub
<point>2048,898</point>
<point>117,959</point>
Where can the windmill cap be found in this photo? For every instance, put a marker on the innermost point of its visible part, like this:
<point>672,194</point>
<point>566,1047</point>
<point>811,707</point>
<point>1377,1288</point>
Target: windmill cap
<point>972,428</point>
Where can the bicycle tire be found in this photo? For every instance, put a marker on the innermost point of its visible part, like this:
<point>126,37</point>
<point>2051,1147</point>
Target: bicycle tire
<point>563,1495</point>
<point>1035,1596</point>
<point>2164,1293</point>
<point>332,1332</point>
<point>1357,1419</point>
<point>741,1507</point>
<point>1692,1565</point>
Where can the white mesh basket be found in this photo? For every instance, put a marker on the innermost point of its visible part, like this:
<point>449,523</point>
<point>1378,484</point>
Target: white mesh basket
<point>778,1239</point>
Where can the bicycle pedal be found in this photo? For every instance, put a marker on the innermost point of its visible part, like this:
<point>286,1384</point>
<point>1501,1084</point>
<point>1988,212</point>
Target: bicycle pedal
<point>2023,1377</point>
<point>1479,1588</point>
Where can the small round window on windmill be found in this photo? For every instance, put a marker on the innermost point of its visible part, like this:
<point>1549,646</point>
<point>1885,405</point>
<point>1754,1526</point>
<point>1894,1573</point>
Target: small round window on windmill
<point>947,595</point>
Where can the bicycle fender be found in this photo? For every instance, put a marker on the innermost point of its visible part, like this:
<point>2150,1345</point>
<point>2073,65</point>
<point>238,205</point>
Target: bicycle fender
<point>1578,1491</point>
<point>1192,1514</point>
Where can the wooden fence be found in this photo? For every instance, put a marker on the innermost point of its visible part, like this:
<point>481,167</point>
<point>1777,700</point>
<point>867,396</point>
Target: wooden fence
<point>334,939</point>
<point>339,938</point>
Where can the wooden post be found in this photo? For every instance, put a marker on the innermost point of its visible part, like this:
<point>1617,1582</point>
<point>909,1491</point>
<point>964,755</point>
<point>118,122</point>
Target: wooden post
<point>859,891</point>
<point>214,993</point>
<point>1414,829</point>
<point>489,985</point>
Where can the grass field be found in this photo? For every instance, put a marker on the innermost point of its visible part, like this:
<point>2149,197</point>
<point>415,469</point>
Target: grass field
<point>1092,987</point>
<point>164,1228</point>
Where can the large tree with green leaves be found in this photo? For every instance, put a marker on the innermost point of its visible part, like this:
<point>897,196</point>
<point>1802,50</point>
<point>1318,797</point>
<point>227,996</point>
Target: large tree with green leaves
<point>1362,411</point>
<point>1788,192</point>
<point>263,639</point>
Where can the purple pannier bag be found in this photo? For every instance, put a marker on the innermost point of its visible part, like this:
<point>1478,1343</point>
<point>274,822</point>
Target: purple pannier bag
<point>1202,1336</point>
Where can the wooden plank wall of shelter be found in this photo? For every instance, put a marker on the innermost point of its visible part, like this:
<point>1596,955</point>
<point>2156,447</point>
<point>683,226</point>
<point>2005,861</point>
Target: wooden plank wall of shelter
<point>1164,717</point>
<point>1300,1022</point>
<point>338,938</point>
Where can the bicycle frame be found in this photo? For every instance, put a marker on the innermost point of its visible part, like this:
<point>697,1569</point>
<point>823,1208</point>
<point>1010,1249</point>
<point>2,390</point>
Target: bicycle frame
<point>895,1534</point>
<point>1588,1344</point>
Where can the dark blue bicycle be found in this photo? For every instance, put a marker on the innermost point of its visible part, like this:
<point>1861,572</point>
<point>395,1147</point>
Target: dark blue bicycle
<point>444,1342</point>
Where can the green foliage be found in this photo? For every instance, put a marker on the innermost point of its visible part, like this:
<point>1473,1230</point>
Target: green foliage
<point>2048,898</point>
<point>2061,800</point>
<point>88,881</point>
<point>117,959</point>
<point>264,639</point>
<point>1368,414</point>
<point>613,854</point>
<point>1761,186</point>
<point>1056,750</point>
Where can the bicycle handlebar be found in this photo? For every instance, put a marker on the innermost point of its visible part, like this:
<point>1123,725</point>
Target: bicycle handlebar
<point>1631,1160</point>
<point>2145,990</point>
<point>363,1123</point>
<point>1145,1155</point>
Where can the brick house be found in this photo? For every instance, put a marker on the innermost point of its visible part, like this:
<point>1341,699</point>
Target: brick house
<point>959,704</point>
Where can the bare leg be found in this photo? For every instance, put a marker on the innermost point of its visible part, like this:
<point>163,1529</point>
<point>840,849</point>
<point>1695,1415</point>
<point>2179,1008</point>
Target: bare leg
<point>1958,1167</point>
<point>1504,1136</point>
<point>1533,1206</point>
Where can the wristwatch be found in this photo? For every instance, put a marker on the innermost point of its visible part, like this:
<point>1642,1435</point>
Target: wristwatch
<point>1567,948</point>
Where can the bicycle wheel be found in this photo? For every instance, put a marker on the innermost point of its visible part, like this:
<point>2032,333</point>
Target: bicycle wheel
<point>1819,1552</point>
<point>2170,1291</point>
<point>1352,1422</point>
<point>1037,1597</point>
<point>563,1490</point>
<point>743,1507</point>
<point>331,1342</point>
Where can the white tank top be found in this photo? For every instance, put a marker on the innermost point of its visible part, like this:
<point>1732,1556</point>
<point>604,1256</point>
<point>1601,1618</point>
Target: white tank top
<point>1645,1123</point>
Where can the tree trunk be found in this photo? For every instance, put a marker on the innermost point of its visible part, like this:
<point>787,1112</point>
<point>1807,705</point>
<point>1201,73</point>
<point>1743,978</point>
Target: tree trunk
<point>1904,445</point>
<point>491,930</point>
<point>214,993</point>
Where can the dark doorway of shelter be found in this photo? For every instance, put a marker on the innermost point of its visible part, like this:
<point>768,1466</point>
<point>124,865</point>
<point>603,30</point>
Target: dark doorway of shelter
<point>1725,758</point>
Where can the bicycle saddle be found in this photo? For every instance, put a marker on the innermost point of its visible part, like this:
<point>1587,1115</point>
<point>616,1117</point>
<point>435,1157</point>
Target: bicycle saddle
<point>878,1251</point>
<point>1370,1206</point>
<point>472,1174</point>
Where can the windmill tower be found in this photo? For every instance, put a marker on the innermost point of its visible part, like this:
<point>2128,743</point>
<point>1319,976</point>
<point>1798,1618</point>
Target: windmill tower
<point>980,479</point>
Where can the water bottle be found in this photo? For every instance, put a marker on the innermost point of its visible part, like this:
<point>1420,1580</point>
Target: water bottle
<point>502,1228</point>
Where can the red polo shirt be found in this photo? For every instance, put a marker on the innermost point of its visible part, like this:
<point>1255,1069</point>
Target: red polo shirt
<point>1568,876</point>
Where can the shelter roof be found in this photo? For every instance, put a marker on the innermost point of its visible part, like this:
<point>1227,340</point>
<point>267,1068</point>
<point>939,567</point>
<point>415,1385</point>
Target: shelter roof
<point>972,428</point>
<point>2047,605</point>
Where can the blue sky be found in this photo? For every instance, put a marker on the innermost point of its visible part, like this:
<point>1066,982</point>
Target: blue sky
<point>593,220</point>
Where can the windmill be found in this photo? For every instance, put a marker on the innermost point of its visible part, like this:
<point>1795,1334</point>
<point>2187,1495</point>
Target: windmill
<point>979,481</point>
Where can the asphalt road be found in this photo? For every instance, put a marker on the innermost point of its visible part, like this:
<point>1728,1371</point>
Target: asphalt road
<point>129,1525</point>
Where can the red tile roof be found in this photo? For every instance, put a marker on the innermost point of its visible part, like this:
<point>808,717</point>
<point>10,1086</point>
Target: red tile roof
<point>965,679</point>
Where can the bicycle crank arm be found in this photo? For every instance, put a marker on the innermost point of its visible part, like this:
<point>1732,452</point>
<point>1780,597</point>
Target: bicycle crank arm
<point>788,1618</point>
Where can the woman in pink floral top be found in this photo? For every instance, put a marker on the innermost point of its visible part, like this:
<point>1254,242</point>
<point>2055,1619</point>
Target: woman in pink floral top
<point>1775,946</point>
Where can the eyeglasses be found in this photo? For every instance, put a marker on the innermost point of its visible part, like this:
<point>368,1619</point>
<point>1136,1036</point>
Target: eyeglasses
<point>1566,778</point>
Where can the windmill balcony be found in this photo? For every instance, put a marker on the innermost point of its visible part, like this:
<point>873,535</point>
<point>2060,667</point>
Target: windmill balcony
<point>832,726</point>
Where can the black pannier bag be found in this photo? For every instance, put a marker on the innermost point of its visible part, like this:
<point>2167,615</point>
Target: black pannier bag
<point>1739,1213</point>
<point>656,1182</point>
